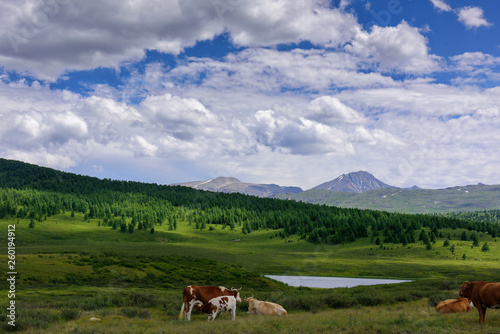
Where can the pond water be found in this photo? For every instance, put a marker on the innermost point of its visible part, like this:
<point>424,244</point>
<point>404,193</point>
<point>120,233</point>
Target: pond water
<point>331,282</point>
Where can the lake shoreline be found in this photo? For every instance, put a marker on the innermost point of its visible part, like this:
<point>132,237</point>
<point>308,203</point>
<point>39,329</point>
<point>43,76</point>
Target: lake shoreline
<point>326,282</point>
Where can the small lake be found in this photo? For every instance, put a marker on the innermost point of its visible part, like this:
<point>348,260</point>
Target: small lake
<point>331,282</point>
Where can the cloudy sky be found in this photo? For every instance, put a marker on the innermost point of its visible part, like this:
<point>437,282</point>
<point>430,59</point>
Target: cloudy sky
<point>293,92</point>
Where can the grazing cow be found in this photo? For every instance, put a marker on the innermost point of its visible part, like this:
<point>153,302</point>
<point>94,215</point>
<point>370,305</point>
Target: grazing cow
<point>219,304</point>
<point>193,293</point>
<point>459,305</point>
<point>483,295</point>
<point>264,308</point>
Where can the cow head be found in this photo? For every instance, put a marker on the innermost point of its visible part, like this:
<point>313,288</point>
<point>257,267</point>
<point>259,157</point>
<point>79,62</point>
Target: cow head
<point>248,299</point>
<point>466,289</point>
<point>236,294</point>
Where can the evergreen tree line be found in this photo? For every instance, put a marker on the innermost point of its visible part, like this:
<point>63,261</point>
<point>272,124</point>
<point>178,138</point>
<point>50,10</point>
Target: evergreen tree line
<point>29,191</point>
<point>477,216</point>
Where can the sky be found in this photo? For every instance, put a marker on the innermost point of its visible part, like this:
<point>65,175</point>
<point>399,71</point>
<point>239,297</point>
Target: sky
<point>294,93</point>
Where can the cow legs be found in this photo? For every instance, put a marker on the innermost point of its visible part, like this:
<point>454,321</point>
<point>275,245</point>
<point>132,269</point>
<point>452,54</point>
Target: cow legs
<point>482,313</point>
<point>233,314</point>
<point>213,315</point>
<point>182,314</point>
<point>190,309</point>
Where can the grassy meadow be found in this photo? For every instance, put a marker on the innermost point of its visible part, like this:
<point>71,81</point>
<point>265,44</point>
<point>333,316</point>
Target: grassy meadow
<point>71,270</point>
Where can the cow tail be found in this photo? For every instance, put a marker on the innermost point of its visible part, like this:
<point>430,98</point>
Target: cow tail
<point>182,314</point>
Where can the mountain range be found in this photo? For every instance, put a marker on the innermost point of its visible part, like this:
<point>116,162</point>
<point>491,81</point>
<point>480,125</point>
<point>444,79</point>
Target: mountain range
<point>231,185</point>
<point>364,191</point>
<point>354,190</point>
<point>357,182</point>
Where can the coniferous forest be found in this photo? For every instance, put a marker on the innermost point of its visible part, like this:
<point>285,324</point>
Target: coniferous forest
<point>35,193</point>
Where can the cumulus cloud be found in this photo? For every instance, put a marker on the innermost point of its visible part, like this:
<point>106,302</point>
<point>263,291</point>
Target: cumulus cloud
<point>401,48</point>
<point>49,38</point>
<point>325,126</point>
<point>329,110</point>
<point>472,17</point>
<point>71,129</point>
<point>183,118</point>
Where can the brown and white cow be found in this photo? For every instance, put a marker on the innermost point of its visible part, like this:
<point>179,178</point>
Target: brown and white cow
<point>264,308</point>
<point>219,304</point>
<point>453,306</point>
<point>193,293</point>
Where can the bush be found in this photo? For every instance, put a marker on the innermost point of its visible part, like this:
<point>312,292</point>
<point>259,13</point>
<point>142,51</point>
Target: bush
<point>96,302</point>
<point>338,300</point>
<point>69,314</point>
<point>35,319</point>
<point>132,312</point>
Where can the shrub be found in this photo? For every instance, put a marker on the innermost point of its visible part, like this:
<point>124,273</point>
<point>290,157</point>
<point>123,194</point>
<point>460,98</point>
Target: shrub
<point>31,318</point>
<point>132,312</point>
<point>69,314</point>
<point>337,300</point>
<point>96,302</point>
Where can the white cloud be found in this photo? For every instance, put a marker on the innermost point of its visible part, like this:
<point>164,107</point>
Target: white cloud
<point>441,5</point>
<point>401,48</point>
<point>476,68</point>
<point>265,23</point>
<point>329,110</point>
<point>50,38</point>
<point>182,118</point>
<point>472,17</point>
<point>469,60</point>
<point>416,133</point>
<point>141,147</point>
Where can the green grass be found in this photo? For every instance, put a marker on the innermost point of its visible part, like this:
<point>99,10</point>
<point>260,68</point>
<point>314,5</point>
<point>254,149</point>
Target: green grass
<point>409,317</point>
<point>70,270</point>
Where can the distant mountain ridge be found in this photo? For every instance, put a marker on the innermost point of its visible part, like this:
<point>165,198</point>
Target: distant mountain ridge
<point>454,199</point>
<point>19,175</point>
<point>231,185</point>
<point>356,182</point>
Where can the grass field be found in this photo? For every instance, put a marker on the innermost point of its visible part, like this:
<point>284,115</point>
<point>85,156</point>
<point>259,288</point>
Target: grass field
<point>71,270</point>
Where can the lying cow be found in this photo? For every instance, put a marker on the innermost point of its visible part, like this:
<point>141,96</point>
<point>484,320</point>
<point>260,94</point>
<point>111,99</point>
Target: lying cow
<point>459,305</point>
<point>193,294</point>
<point>219,304</point>
<point>264,308</point>
<point>483,295</point>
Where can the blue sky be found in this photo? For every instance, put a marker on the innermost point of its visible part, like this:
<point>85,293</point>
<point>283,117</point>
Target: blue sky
<point>287,92</point>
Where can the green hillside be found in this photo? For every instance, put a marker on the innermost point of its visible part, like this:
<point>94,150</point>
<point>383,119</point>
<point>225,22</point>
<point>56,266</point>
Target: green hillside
<point>456,199</point>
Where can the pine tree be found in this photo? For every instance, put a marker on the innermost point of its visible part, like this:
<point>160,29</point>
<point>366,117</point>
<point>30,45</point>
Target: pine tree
<point>485,247</point>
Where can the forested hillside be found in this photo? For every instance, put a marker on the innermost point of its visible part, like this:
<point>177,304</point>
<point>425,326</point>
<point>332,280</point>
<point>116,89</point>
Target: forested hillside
<point>33,192</point>
<point>477,216</point>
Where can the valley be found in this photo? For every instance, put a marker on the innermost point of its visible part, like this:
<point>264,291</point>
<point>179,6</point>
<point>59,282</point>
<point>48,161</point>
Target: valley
<point>122,252</point>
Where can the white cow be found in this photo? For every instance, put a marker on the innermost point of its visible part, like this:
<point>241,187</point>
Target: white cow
<point>219,304</point>
<point>264,308</point>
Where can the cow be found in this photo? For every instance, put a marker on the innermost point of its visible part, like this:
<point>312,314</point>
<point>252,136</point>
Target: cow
<point>483,295</point>
<point>219,304</point>
<point>264,308</point>
<point>453,306</point>
<point>193,293</point>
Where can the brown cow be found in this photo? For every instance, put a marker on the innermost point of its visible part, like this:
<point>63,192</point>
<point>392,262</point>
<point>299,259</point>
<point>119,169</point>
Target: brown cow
<point>483,295</point>
<point>453,306</point>
<point>193,294</point>
<point>264,308</point>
